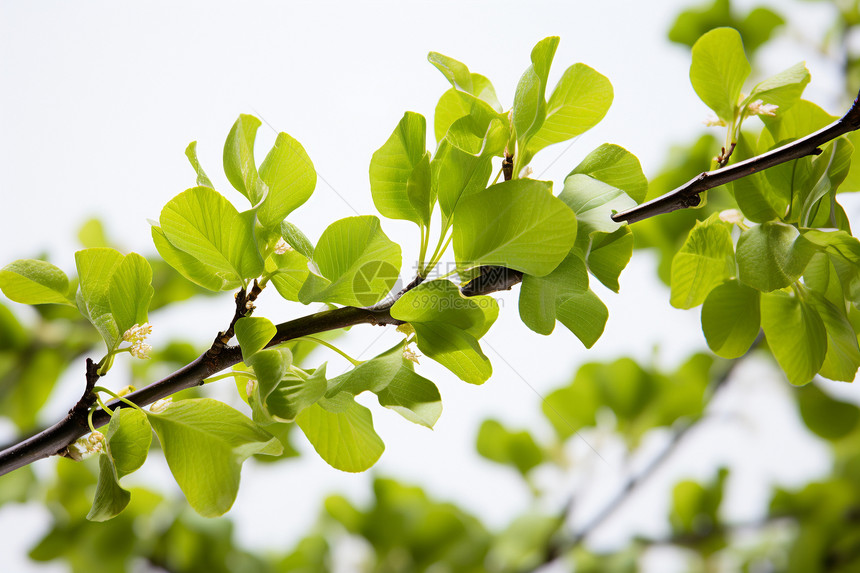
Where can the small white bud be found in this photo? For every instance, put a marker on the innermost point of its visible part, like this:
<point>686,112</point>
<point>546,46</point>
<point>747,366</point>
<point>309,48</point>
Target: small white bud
<point>249,388</point>
<point>282,247</point>
<point>714,121</point>
<point>140,350</point>
<point>410,355</point>
<point>732,216</point>
<point>138,332</point>
<point>526,171</point>
<point>160,405</point>
<point>758,107</point>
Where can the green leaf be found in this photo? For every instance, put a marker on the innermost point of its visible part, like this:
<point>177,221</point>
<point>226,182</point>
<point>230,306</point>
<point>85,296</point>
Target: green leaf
<point>579,101</point>
<point>95,270</point>
<point>463,162</point>
<point>843,355</point>
<point>719,70</point>
<point>783,89</point>
<point>756,197</point>
<point>191,154</point>
<point>455,72</point>
<point>609,254</point>
<point>392,378</point>
<point>253,334</point>
<point>448,326</point>
<point>126,445</point>
<point>205,443</point>
<point>772,256</point>
<point>564,295</point>
<point>756,27</point>
<point>293,393</point>
<point>705,261</point>
<point>239,164</point>
<point>288,272</point>
<point>795,334</point>
<point>29,281</point>
<point>297,240</point>
<point>827,417</point>
<point>399,177</point>
<point>616,167</point>
<point>517,224</point>
<point>189,267</point>
<point>345,439</point>
<point>357,262</point>
<point>529,111</point>
<point>205,225</point>
<point>290,178</point>
<point>518,449</point>
<point>594,202</point>
<point>731,319</point>
<point>130,292</point>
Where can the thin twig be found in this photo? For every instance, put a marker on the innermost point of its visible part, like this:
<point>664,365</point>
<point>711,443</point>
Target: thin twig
<point>687,195</point>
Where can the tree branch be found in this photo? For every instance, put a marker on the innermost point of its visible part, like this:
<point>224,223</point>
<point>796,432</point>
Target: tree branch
<point>687,195</point>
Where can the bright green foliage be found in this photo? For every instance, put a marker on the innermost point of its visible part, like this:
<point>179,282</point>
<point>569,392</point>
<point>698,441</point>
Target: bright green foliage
<point>705,261</point>
<point>253,334</point>
<point>297,240</point>
<point>358,264</point>
<point>30,281</point>
<point>288,273</point>
<point>400,173</point>
<point>342,434</point>
<point>202,178</point>
<point>205,225</point>
<point>518,449</point>
<point>695,509</point>
<point>517,224</point>
<point>795,334</point>
<point>239,164</point>
<point>290,179</point>
<point>564,295</point>
<point>617,167</point>
<point>594,201</point>
<point>579,101</point>
<point>521,546</point>
<point>448,326</point>
<point>392,377</point>
<point>719,70</point>
<point>843,355</point>
<point>115,291</point>
<point>783,89</point>
<point>205,443</point>
<point>126,444</point>
<point>189,267</point>
<point>731,319</point>
<point>530,108</point>
<point>772,256</point>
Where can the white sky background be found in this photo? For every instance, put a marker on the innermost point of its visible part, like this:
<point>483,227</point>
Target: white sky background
<point>98,101</point>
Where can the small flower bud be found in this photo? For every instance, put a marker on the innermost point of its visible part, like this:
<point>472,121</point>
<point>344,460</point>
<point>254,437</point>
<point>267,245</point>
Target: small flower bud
<point>160,405</point>
<point>714,121</point>
<point>758,107</point>
<point>732,216</point>
<point>282,247</point>
<point>410,355</point>
<point>126,391</point>
<point>249,388</point>
<point>140,350</point>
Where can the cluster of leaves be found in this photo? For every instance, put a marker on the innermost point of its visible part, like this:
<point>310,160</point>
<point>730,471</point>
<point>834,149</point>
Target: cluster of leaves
<point>793,267</point>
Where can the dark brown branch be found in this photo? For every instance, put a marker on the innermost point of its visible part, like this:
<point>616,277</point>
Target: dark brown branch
<point>687,195</point>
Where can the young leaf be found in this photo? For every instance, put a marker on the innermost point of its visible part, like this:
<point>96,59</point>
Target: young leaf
<point>253,334</point>
<point>29,281</point>
<point>239,164</point>
<point>290,178</point>
<point>616,167</point>
<point>518,449</point>
<point>608,255</point>
<point>843,355</point>
<point>130,291</point>
<point>359,264</point>
<point>191,154</point>
<point>448,326</point>
<point>397,167</point>
<point>578,103</point>
<point>391,377</point>
<point>529,111</point>
<point>564,295</point>
<point>719,70</point>
<point>297,240</point>
<point>293,393</point>
<point>795,334</point>
<point>594,201</point>
<point>189,267</point>
<point>126,445</point>
<point>783,89</point>
<point>772,256</point>
<point>517,224</point>
<point>288,272</point>
<point>205,443</point>
<point>345,438</point>
<point>202,223</point>
<point>705,261</point>
<point>95,270</point>
<point>731,319</point>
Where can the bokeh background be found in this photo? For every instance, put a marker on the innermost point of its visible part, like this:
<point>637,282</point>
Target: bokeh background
<point>99,100</point>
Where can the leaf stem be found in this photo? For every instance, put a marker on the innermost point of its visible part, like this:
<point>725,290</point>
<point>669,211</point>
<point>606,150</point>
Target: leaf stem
<point>117,396</point>
<point>231,374</point>
<point>331,346</point>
